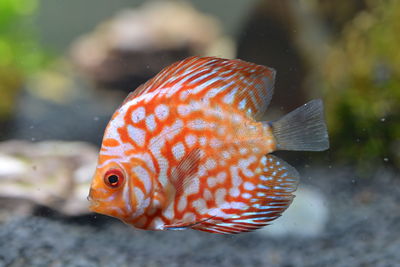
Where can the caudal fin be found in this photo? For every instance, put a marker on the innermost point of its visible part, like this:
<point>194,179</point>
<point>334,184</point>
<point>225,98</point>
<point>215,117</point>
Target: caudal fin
<point>303,129</point>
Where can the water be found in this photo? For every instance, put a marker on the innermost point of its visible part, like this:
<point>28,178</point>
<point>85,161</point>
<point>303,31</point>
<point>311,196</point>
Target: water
<point>49,156</point>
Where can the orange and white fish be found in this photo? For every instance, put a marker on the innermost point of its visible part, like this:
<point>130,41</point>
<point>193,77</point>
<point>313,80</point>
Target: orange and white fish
<point>186,150</point>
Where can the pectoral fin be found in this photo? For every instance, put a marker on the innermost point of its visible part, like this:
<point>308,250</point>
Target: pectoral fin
<point>185,173</point>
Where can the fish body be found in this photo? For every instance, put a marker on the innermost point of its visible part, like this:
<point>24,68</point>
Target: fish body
<point>187,150</point>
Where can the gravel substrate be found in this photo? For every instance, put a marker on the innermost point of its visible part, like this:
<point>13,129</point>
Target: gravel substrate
<point>363,230</point>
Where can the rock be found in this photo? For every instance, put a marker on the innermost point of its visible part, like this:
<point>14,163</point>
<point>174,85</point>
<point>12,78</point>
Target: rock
<point>11,166</point>
<point>136,44</point>
<point>53,174</point>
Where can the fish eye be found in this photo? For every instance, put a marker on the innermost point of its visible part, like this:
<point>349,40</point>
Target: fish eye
<point>113,178</point>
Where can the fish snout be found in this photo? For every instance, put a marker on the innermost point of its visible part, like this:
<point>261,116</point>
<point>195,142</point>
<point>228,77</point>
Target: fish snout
<point>90,196</point>
<point>93,203</point>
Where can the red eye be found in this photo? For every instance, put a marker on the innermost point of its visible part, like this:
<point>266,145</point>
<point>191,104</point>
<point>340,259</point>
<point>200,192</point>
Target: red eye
<point>113,178</point>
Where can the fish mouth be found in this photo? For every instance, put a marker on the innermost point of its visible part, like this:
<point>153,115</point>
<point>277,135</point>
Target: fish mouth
<point>94,204</point>
<point>97,207</point>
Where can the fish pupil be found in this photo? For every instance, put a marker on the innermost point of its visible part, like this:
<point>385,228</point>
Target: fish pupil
<point>113,179</point>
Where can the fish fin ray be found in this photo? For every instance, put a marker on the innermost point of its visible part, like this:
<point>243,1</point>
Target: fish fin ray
<point>249,86</point>
<point>133,94</point>
<point>182,225</point>
<point>269,199</point>
<point>167,74</point>
<point>303,129</point>
<point>258,92</point>
<point>184,174</point>
<point>157,81</point>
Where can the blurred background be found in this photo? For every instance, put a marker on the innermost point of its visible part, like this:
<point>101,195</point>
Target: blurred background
<point>65,66</point>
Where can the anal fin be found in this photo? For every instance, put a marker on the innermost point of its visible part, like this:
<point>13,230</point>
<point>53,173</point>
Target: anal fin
<point>269,199</point>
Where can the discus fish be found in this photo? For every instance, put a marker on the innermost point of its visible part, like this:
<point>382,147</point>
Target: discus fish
<point>187,149</point>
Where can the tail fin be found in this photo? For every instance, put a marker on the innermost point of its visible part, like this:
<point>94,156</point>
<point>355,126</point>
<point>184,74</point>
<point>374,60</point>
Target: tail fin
<point>303,129</point>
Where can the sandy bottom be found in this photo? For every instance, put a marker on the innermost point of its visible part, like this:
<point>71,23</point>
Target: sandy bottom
<point>363,229</point>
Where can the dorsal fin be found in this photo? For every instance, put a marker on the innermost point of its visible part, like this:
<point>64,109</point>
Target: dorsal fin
<point>245,85</point>
<point>157,81</point>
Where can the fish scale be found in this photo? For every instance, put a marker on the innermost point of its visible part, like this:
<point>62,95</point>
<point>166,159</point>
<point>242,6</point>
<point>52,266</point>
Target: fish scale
<point>187,150</point>
<point>168,148</point>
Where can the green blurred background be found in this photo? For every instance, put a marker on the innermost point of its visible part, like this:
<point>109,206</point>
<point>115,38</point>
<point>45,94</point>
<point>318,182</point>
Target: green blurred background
<point>345,52</point>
